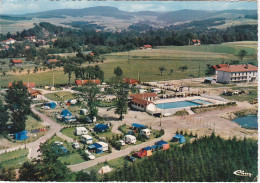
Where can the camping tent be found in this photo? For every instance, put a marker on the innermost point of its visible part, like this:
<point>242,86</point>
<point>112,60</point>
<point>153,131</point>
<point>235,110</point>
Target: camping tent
<point>100,128</point>
<point>97,148</point>
<point>139,126</point>
<point>65,112</point>
<point>21,135</point>
<point>52,105</point>
<point>145,152</point>
<point>165,146</point>
<point>179,138</point>
<point>160,143</point>
<point>105,169</point>
<point>71,102</point>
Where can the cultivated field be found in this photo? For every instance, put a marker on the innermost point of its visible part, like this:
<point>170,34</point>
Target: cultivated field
<point>146,63</point>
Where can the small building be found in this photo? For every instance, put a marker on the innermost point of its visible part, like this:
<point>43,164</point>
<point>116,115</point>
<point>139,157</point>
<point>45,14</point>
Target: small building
<point>86,82</point>
<point>237,73</point>
<point>15,62</point>
<point>81,131</point>
<point>35,94</point>
<point>83,111</point>
<point>210,80</point>
<point>146,47</point>
<point>65,112</point>
<point>104,146</point>
<point>178,138</point>
<point>145,96</point>
<point>21,135</point>
<point>196,42</point>
<point>146,151</point>
<point>131,81</point>
<point>139,104</point>
<point>95,148</point>
<point>101,128</point>
<point>52,105</point>
<point>10,41</point>
<point>52,61</point>
<point>87,139</point>
<point>130,139</point>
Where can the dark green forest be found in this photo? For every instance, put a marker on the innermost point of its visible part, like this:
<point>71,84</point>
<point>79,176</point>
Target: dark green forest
<point>208,159</point>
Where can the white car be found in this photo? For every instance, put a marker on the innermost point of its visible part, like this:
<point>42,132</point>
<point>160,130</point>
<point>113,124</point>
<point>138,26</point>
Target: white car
<point>75,145</point>
<point>90,156</point>
<point>58,143</point>
<point>45,107</point>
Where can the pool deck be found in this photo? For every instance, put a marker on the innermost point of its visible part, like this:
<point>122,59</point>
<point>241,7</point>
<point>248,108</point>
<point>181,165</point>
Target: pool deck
<point>172,111</point>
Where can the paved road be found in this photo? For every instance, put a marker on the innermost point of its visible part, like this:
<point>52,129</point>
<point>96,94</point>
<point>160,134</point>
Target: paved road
<point>117,154</point>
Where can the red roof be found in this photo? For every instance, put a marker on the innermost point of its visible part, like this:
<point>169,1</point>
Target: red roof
<point>141,101</point>
<point>28,85</point>
<point>143,95</point>
<point>32,92</point>
<point>10,39</point>
<point>238,68</point>
<point>53,60</point>
<point>148,46</point>
<point>92,53</point>
<point>131,81</point>
<point>218,66</point>
<point>16,61</point>
<point>84,82</point>
<point>195,40</point>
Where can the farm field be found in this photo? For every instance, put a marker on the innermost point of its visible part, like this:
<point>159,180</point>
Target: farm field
<point>146,63</point>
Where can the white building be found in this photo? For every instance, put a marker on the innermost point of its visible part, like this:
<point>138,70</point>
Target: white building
<point>237,73</point>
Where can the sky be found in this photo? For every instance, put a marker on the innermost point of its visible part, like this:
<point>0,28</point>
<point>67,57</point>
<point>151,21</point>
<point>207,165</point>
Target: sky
<point>32,6</point>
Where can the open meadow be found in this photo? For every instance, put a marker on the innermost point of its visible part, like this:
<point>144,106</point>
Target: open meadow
<point>146,63</point>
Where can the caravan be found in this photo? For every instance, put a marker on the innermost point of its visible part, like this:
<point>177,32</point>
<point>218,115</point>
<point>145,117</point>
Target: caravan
<point>81,131</point>
<point>87,139</point>
<point>130,139</point>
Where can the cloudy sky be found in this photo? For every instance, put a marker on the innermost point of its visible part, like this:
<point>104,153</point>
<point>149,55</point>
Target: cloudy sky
<point>31,6</point>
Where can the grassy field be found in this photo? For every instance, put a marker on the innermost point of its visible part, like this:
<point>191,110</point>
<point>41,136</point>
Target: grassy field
<point>13,159</point>
<point>251,96</point>
<point>32,123</point>
<point>60,96</point>
<point>146,63</point>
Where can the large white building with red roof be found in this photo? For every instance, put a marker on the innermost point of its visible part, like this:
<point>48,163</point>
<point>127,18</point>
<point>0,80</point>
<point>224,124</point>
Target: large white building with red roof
<point>237,73</point>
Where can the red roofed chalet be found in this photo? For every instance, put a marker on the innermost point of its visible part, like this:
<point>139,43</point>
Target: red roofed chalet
<point>131,81</point>
<point>147,46</point>
<point>16,62</point>
<point>28,85</point>
<point>85,82</point>
<point>145,96</point>
<point>237,73</point>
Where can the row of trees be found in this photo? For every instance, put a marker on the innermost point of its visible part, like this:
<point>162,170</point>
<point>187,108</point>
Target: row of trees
<point>17,108</point>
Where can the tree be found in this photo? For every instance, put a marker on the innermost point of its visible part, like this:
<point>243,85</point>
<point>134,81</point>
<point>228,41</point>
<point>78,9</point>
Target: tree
<point>4,116</point>
<point>68,69</point>
<point>171,71</point>
<point>121,90</point>
<point>8,175</point>
<point>242,54</point>
<point>46,168</point>
<point>18,102</point>
<point>89,94</point>
<point>118,71</point>
<point>183,68</point>
<point>162,68</point>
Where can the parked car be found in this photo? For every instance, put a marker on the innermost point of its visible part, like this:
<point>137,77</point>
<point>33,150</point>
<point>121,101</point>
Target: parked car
<point>89,120</point>
<point>45,107</point>
<point>76,145</point>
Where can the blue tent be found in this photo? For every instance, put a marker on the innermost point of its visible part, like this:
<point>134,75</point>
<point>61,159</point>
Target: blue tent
<point>52,105</point>
<point>160,143</point>
<point>139,126</point>
<point>21,135</point>
<point>147,148</point>
<point>65,112</point>
<point>96,147</point>
<point>179,138</point>
<point>100,128</point>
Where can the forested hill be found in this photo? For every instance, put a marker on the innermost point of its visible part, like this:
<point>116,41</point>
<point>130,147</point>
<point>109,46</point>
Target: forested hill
<point>208,159</point>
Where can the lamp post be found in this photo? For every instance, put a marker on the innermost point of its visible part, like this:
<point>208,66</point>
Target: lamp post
<point>161,120</point>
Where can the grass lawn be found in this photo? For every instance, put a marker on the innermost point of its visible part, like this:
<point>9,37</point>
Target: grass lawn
<point>107,134</point>
<point>60,96</point>
<point>105,103</point>
<point>243,97</point>
<point>32,123</point>
<point>13,159</point>
<point>72,159</point>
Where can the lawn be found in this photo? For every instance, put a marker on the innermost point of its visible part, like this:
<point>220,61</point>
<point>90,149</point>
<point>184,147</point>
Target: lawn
<point>13,159</point>
<point>32,123</point>
<point>252,96</point>
<point>72,159</point>
<point>60,96</point>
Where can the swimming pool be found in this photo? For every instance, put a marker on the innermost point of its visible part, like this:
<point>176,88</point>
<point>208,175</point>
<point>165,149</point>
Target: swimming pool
<point>201,101</point>
<point>171,105</point>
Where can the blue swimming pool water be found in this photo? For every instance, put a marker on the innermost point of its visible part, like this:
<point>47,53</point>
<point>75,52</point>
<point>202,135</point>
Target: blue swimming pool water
<point>201,101</point>
<point>247,121</point>
<point>171,105</point>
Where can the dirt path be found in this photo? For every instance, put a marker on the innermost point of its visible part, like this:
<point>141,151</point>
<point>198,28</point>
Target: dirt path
<point>117,154</point>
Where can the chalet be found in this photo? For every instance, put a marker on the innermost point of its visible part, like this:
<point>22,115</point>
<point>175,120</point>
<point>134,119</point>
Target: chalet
<point>28,85</point>
<point>9,41</point>
<point>16,62</point>
<point>52,61</point>
<point>141,101</point>
<point>85,82</point>
<point>35,94</point>
<point>218,66</point>
<point>6,47</point>
<point>92,53</point>
<point>146,47</point>
<point>131,81</point>
<point>237,73</point>
<point>27,47</point>
<point>196,42</point>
